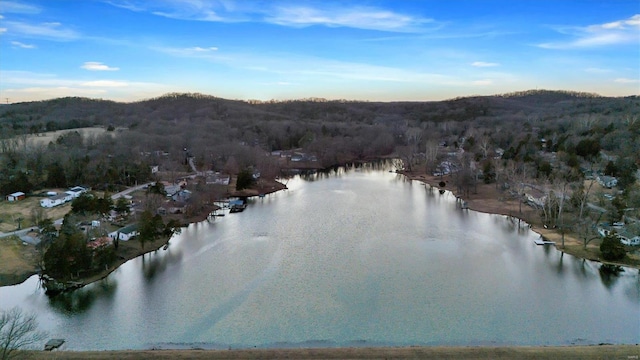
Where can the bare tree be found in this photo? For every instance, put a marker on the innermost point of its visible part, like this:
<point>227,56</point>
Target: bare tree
<point>431,154</point>
<point>18,330</point>
<point>561,189</point>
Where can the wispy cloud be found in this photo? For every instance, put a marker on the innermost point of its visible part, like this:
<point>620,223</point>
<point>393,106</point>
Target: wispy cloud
<point>595,70</point>
<point>22,45</point>
<point>27,86</point>
<point>358,17</point>
<point>201,49</point>
<point>290,14</point>
<point>3,30</point>
<point>618,32</point>
<point>97,66</point>
<point>484,64</point>
<point>50,30</point>
<point>104,83</point>
<point>197,10</point>
<point>483,82</point>
<point>627,81</point>
<point>18,8</point>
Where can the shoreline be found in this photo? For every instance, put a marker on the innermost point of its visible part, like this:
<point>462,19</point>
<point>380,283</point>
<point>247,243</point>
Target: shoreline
<point>483,204</point>
<point>602,351</point>
<point>134,252</point>
<point>492,203</point>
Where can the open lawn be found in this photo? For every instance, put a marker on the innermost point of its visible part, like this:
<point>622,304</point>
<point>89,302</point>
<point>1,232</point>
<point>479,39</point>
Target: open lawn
<point>10,212</point>
<point>17,260</point>
<point>49,136</point>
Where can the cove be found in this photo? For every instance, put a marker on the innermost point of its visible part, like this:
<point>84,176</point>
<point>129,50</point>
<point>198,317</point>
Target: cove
<point>351,257</point>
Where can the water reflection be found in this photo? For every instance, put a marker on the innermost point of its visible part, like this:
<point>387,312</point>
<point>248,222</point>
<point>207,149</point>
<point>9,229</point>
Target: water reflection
<point>609,274</point>
<point>153,264</point>
<point>81,300</point>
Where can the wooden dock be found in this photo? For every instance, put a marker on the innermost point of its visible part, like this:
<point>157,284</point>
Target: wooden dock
<point>542,241</point>
<point>53,344</point>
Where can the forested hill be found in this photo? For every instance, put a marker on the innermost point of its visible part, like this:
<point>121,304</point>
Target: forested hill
<point>232,135</point>
<point>73,112</point>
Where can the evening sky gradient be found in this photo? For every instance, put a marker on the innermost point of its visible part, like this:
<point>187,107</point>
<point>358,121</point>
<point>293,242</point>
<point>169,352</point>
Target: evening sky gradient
<point>128,50</point>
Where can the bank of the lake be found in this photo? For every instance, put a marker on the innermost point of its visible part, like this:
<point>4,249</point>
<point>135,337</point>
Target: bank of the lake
<point>416,352</point>
<point>128,250</point>
<point>487,198</point>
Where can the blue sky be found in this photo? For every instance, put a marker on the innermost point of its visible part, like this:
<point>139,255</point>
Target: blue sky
<point>127,50</point>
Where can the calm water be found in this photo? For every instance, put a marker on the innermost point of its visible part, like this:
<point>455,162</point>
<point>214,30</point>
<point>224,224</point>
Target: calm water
<point>347,258</point>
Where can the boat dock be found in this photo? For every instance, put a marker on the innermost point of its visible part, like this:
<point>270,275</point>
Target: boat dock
<point>542,241</point>
<point>53,344</point>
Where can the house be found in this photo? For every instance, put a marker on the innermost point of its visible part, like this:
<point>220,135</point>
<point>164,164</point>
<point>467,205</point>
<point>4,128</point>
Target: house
<point>607,181</point>
<point>76,191</point>
<point>154,168</point>
<point>625,236</point>
<point>535,197</point>
<point>16,196</point>
<point>629,239</point>
<point>99,242</point>
<point>55,200</point>
<point>178,207</point>
<point>181,195</point>
<point>218,179</point>
<point>125,233</point>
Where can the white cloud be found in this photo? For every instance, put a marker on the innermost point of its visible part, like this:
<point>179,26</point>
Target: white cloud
<point>484,64</point>
<point>482,82</point>
<point>18,8</point>
<point>595,70</point>
<point>52,31</point>
<point>22,45</point>
<point>97,66</point>
<point>627,81</point>
<point>620,32</point>
<point>200,49</point>
<point>3,30</point>
<point>30,86</point>
<point>104,83</point>
<point>358,17</point>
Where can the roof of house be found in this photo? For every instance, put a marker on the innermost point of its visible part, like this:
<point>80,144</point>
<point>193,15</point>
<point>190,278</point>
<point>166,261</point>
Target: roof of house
<point>128,229</point>
<point>19,193</point>
<point>59,196</point>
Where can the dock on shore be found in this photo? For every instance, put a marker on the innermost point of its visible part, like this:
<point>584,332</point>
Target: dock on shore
<point>542,241</point>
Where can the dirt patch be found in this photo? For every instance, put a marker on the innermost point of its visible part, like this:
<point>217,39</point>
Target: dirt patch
<point>435,352</point>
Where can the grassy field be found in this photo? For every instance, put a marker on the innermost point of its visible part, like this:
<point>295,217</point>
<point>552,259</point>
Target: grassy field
<point>46,137</point>
<point>10,212</point>
<point>17,261</point>
<point>437,352</point>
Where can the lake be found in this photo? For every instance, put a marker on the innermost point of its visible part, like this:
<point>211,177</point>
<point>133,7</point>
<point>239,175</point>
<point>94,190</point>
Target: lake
<point>351,257</point>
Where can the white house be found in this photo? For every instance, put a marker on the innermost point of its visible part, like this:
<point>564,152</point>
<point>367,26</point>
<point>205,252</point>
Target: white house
<point>125,233</point>
<point>630,239</point>
<point>55,200</point>
<point>76,191</point>
<point>16,196</point>
<point>607,181</point>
